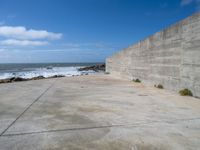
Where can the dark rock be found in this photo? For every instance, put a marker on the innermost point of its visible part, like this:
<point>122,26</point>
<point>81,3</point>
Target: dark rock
<point>95,68</point>
<point>5,81</point>
<point>17,79</point>
<point>13,79</point>
<point>57,76</point>
<point>38,78</point>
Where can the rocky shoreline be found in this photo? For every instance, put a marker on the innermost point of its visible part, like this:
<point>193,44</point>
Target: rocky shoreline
<point>95,68</point>
<point>19,79</point>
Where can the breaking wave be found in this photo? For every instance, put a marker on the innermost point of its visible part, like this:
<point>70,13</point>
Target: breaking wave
<point>45,72</point>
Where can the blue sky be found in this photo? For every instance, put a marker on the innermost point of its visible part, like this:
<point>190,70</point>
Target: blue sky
<point>81,30</point>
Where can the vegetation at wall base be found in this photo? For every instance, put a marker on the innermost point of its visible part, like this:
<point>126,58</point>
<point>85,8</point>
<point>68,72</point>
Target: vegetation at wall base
<point>136,80</point>
<point>185,92</point>
<point>159,86</point>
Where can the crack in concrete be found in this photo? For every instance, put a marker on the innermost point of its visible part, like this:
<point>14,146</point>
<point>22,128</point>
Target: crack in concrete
<point>28,108</point>
<point>101,127</point>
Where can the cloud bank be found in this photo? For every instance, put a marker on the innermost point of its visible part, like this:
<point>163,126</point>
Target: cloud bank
<point>13,42</point>
<point>20,36</point>
<point>21,32</point>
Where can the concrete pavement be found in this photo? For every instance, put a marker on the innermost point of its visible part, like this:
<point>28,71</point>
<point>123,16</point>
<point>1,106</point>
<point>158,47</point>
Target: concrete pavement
<point>96,112</point>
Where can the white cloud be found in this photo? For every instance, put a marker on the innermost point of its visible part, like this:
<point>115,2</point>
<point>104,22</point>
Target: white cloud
<point>186,2</point>
<point>14,42</point>
<point>2,50</point>
<point>20,32</point>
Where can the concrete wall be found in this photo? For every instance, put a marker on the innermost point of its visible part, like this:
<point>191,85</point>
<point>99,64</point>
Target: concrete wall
<point>170,57</point>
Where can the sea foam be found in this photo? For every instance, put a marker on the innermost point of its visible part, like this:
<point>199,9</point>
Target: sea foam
<point>45,72</point>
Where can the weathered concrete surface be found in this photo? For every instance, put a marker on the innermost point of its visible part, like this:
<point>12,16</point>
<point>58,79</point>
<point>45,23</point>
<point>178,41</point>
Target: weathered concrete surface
<point>96,113</point>
<point>170,57</point>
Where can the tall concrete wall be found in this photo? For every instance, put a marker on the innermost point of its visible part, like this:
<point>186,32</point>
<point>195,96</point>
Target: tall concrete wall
<point>170,57</point>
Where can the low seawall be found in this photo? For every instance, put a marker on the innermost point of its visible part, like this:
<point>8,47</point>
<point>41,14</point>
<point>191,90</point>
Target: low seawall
<point>170,57</point>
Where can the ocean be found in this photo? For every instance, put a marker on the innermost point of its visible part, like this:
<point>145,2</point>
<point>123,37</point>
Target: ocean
<point>31,70</point>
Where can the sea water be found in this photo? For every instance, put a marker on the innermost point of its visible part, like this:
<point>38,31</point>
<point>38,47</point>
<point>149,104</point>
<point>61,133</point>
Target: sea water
<point>28,71</point>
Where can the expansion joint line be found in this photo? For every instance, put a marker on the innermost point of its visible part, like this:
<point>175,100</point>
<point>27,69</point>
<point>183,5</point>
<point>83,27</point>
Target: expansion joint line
<point>101,127</point>
<point>37,99</point>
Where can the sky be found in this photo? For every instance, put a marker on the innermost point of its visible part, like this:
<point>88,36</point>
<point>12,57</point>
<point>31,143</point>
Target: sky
<point>44,31</point>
